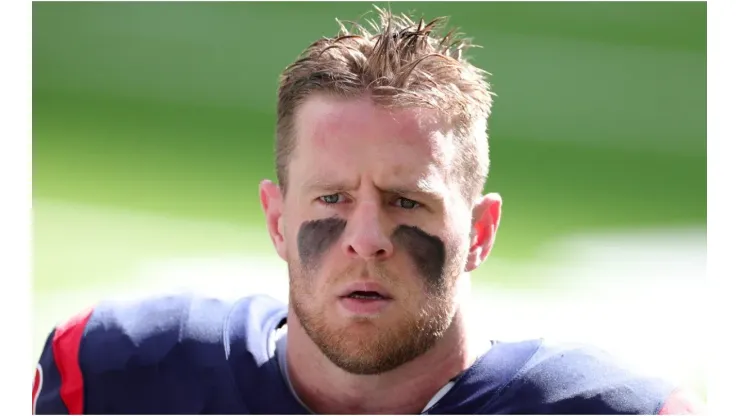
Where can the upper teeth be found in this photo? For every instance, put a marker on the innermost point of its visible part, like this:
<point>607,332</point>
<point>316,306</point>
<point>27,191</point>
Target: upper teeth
<point>365,295</point>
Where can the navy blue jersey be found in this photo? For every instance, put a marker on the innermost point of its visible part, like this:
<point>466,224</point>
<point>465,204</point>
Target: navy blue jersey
<point>191,355</point>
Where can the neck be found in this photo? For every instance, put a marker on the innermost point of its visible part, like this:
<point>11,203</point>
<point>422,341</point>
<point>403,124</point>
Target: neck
<point>327,389</point>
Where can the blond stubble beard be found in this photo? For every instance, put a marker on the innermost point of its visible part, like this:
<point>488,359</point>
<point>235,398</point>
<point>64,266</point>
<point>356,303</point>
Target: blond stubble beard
<point>366,346</point>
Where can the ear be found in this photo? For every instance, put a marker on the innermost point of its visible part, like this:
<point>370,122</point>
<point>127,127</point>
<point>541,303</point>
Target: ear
<point>486,218</point>
<point>271,199</point>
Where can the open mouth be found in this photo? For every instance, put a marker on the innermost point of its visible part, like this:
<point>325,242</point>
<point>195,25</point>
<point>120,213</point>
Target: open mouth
<point>366,295</point>
<point>365,299</point>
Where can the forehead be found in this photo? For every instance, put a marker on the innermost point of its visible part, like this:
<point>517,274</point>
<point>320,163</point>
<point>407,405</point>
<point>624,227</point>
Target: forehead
<point>358,136</point>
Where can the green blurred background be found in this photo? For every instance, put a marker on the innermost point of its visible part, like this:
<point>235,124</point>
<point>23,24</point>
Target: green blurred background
<point>153,123</point>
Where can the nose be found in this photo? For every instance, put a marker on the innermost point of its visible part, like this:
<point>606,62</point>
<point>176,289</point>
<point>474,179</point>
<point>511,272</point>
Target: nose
<point>367,237</point>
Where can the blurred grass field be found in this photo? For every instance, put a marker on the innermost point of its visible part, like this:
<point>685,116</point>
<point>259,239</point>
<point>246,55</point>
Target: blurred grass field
<point>153,123</point>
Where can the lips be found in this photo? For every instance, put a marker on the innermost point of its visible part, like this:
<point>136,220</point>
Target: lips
<point>364,300</point>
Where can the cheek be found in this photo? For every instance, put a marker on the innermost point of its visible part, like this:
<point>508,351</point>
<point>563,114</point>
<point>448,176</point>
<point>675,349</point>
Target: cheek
<point>457,237</point>
<point>458,248</point>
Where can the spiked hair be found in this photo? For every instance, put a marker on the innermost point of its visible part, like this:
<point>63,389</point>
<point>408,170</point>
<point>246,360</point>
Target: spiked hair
<point>399,62</point>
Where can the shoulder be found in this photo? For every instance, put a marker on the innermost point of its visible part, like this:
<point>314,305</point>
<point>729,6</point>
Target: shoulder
<point>150,344</point>
<point>576,378</point>
<point>153,327</point>
<point>143,330</point>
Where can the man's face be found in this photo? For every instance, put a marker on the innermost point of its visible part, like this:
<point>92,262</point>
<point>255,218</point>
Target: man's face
<point>375,231</point>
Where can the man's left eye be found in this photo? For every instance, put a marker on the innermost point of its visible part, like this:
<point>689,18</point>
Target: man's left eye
<point>406,203</point>
<point>330,199</point>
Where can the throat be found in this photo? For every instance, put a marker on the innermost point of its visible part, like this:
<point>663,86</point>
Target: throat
<point>281,352</point>
<point>323,402</point>
<point>323,388</point>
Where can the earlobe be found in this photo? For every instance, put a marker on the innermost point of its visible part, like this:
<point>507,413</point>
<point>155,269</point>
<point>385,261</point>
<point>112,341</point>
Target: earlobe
<point>486,219</point>
<point>271,200</point>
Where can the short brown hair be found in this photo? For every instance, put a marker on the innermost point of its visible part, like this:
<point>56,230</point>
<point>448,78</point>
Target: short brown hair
<point>401,63</point>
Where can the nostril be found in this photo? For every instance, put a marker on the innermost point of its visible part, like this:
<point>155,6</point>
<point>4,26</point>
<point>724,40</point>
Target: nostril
<point>378,253</point>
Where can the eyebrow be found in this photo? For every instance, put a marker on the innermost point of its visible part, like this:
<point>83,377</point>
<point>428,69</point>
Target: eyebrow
<point>315,185</point>
<point>422,187</point>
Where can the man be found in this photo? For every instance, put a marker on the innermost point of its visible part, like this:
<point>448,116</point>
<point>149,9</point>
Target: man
<point>382,155</point>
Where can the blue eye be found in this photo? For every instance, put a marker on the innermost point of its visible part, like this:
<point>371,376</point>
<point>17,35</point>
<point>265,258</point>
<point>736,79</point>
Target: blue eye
<point>330,199</point>
<point>406,203</point>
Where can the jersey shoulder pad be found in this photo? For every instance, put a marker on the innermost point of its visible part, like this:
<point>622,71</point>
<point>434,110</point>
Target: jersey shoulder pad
<point>144,332</point>
<point>577,379</point>
<point>138,347</point>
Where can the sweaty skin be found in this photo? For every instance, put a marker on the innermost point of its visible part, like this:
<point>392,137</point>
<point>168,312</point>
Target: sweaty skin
<point>426,251</point>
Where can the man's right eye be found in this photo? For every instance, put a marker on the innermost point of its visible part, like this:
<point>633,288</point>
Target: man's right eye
<point>330,199</point>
